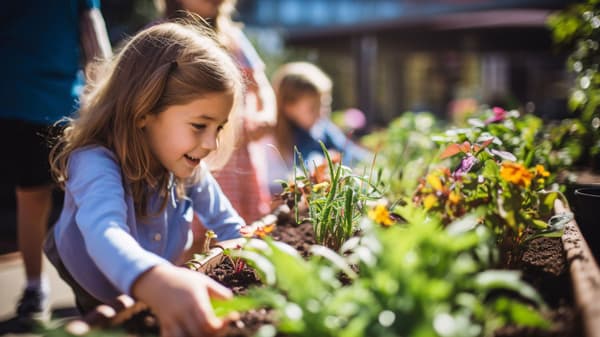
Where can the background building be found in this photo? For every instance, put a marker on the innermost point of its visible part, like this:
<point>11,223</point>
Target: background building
<point>443,56</point>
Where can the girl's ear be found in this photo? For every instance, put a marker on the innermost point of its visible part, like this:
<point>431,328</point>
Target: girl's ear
<point>142,121</point>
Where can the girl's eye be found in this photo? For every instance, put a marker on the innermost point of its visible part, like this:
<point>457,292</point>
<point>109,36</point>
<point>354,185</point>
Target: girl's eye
<point>220,128</point>
<point>199,126</point>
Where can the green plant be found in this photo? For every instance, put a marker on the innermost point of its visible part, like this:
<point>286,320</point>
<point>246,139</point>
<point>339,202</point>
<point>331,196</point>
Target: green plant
<point>577,28</point>
<point>335,198</point>
<point>511,199</point>
<point>412,280</point>
<point>404,150</point>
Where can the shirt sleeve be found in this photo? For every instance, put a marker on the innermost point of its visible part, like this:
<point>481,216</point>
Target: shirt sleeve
<point>96,185</point>
<point>214,209</point>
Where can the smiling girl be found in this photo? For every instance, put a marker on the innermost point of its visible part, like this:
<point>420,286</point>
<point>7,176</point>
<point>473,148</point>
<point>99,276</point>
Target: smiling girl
<point>133,168</point>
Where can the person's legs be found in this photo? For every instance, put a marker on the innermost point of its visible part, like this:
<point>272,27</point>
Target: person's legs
<point>34,203</point>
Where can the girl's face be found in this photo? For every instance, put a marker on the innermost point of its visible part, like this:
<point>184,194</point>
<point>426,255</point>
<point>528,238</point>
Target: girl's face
<point>305,111</point>
<point>204,8</point>
<point>180,136</point>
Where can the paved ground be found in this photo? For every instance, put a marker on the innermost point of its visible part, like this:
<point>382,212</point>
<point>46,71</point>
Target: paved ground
<point>12,280</point>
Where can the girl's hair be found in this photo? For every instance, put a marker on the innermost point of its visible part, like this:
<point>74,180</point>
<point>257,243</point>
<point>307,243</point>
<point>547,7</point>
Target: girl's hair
<point>291,82</point>
<point>163,65</point>
<point>221,23</point>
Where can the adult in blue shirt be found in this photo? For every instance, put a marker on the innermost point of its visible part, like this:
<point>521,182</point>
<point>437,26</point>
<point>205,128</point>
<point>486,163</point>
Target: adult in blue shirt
<point>41,80</point>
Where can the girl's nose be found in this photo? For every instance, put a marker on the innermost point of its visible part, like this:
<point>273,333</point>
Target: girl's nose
<point>210,141</point>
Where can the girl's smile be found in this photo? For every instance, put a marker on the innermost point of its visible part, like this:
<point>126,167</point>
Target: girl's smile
<point>182,135</point>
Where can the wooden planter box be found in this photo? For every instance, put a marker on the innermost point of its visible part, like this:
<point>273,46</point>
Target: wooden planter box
<point>585,276</point>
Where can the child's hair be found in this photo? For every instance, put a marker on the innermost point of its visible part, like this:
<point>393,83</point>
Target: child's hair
<point>291,82</point>
<point>163,65</point>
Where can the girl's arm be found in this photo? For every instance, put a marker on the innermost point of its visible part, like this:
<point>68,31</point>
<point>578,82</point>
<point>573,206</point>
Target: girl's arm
<point>178,296</point>
<point>96,185</point>
<point>214,209</point>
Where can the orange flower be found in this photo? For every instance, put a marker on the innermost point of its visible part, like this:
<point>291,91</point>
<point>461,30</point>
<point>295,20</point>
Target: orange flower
<point>454,198</point>
<point>381,215</point>
<point>516,174</point>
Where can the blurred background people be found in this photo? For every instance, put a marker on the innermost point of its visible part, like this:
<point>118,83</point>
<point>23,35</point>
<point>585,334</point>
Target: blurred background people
<point>42,46</point>
<point>239,178</point>
<point>303,93</point>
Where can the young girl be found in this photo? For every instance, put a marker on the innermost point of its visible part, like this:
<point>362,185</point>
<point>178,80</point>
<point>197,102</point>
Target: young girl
<point>303,94</point>
<point>240,178</point>
<point>132,168</point>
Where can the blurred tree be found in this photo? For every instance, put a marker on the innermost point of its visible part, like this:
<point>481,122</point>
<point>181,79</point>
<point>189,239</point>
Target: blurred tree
<point>578,28</point>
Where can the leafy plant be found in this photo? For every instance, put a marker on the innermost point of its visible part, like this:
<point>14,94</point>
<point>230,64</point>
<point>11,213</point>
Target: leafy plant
<point>404,150</point>
<point>578,29</point>
<point>511,199</point>
<point>334,196</point>
<point>413,280</point>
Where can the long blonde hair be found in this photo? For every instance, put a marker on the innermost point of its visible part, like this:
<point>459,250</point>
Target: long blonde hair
<point>163,65</point>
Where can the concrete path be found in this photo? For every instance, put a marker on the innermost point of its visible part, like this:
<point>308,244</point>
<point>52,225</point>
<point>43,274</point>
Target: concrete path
<point>12,281</point>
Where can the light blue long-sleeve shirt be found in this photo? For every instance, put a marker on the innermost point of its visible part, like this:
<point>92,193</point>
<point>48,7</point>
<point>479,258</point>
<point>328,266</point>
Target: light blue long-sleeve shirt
<point>105,246</point>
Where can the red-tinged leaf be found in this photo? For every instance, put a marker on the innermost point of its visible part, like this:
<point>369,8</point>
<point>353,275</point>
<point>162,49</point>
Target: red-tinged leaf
<point>465,147</point>
<point>450,151</point>
<point>487,142</point>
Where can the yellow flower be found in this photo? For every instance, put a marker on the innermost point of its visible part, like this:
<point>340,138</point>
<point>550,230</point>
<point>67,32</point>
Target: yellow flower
<point>321,186</point>
<point>454,197</point>
<point>516,174</point>
<point>430,201</point>
<point>541,171</point>
<point>381,215</point>
<point>434,181</point>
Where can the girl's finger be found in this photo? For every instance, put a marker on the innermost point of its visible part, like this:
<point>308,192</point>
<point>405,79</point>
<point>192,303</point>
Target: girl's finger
<point>218,291</point>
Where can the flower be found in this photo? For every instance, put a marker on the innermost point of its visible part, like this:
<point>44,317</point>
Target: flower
<point>430,201</point>
<point>322,186</point>
<point>466,164</point>
<point>381,215</point>
<point>541,171</point>
<point>354,119</point>
<point>454,198</point>
<point>516,174</point>
<point>499,115</point>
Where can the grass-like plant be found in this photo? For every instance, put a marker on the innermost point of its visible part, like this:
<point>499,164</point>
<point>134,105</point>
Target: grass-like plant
<point>334,196</point>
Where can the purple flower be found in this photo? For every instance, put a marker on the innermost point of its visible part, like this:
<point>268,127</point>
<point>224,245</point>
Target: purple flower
<point>466,164</point>
<point>499,115</point>
<point>354,119</point>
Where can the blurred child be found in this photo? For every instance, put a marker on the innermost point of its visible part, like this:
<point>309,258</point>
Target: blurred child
<point>132,166</point>
<point>303,93</point>
<point>239,178</point>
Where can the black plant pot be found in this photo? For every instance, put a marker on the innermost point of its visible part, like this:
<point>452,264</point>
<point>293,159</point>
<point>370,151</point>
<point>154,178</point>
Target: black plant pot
<point>587,215</point>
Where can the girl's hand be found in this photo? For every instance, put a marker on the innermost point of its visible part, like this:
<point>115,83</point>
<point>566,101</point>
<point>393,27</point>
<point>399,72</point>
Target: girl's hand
<point>180,298</point>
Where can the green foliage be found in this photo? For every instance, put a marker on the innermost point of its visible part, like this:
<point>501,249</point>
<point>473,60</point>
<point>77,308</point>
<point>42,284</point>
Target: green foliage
<point>578,29</point>
<point>497,172</point>
<point>404,151</point>
<point>335,197</point>
<point>413,280</point>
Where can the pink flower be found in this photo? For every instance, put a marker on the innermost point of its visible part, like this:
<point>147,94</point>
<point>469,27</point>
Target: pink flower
<point>354,119</point>
<point>499,115</point>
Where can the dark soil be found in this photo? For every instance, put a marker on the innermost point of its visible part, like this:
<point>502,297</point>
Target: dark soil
<point>544,266</point>
<point>300,237</point>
